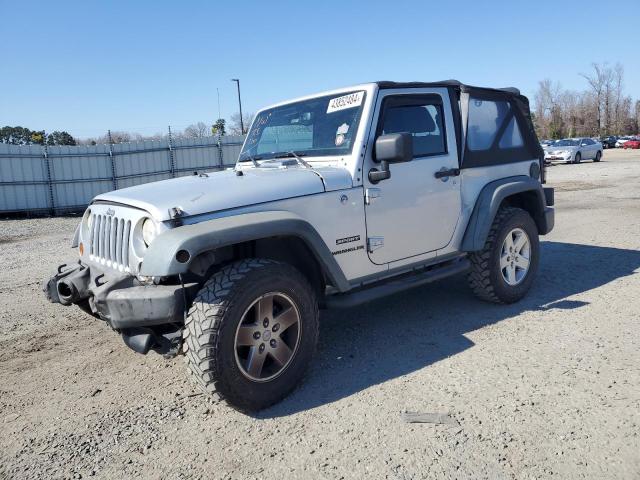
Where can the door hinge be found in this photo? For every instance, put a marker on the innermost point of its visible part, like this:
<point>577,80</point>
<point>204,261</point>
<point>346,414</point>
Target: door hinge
<point>374,243</point>
<point>370,194</point>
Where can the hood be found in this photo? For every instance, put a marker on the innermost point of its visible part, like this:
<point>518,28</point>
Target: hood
<point>214,191</point>
<point>554,150</point>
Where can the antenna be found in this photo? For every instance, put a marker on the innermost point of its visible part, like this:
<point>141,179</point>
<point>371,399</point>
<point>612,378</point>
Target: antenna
<point>218,90</point>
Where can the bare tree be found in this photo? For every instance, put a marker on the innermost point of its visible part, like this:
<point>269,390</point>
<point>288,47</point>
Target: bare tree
<point>620,101</point>
<point>602,109</point>
<point>234,124</point>
<point>606,84</point>
<point>121,137</point>
<point>548,112</point>
<point>597,82</point>
<point>197,130</point>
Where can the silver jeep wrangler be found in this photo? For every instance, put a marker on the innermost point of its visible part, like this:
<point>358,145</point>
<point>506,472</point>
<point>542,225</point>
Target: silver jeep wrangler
<point>336,199</point>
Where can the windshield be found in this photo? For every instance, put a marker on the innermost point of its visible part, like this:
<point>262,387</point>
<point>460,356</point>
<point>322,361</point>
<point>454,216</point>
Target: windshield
<point>566,143</point>
<point>320,126</point>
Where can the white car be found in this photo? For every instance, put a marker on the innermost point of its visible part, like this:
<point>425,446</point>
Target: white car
<point>621,141</point>
<point>573,150</point>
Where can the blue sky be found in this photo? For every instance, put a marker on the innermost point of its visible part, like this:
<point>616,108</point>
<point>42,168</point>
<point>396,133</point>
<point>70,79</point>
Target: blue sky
<point>86,66</point>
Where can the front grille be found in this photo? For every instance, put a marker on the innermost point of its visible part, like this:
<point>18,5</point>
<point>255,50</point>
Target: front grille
<point>109,241</point>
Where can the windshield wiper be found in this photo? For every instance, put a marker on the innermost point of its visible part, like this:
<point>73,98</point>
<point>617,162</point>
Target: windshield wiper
<point>253,159</point>
<point>297,156</point>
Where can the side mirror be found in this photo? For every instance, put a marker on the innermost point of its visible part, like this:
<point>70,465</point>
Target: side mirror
<point>390,148</point>
<point>394,148</point>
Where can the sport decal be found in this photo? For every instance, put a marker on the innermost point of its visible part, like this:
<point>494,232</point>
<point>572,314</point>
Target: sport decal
<point>340,241</point>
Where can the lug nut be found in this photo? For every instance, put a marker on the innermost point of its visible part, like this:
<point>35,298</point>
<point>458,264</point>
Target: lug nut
<point>276,327</point>
<point>265,322</point>
<point>261,348</point>
<point>272,343</point>
<point>256,335</point>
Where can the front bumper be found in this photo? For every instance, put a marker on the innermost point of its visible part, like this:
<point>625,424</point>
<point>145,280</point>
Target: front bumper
<point>127,305</point>
<point>557,158</point>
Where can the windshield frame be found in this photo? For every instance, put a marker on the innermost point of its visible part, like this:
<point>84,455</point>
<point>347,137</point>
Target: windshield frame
<point>314,154</point>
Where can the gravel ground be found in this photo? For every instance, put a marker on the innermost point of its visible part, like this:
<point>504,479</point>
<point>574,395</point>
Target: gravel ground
<point>549,387</point>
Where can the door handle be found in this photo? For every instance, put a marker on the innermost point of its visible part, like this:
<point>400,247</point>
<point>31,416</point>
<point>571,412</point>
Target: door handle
<point>453,172</point>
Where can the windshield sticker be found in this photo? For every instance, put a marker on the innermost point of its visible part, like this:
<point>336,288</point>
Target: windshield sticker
<point>256,130</point>
<point>344,102</point>
<point>340,133</point>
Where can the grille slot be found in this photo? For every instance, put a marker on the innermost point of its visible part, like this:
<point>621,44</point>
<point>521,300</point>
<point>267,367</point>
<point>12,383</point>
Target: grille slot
<point>109,241</point>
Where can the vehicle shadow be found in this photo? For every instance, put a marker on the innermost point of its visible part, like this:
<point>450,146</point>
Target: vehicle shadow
<point>391,337</point>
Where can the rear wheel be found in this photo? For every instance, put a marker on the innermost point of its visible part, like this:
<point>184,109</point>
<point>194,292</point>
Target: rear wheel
<point>504,270</point>
<point>598,156</point>
<point>251,333</point>
<point>577,158</point>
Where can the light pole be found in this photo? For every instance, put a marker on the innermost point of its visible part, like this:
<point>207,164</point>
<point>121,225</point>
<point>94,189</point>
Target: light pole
<point>239,104</point>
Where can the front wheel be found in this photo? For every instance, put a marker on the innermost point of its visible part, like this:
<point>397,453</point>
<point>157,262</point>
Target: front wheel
<point>577,158</point>
<point>598,156</point>
<point>504,270</point>
<point>251,333</point>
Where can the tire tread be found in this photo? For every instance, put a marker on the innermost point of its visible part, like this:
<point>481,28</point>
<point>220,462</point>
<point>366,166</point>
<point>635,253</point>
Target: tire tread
<point>479,276</point>
<point>204,321</point>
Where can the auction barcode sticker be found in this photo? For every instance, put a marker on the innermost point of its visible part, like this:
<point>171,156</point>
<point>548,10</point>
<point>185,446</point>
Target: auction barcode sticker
<point>344,102</point>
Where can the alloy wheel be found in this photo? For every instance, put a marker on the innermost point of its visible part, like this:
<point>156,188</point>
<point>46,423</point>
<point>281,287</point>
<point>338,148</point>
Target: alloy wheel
<point>267,337</point>
<point>515,256</point>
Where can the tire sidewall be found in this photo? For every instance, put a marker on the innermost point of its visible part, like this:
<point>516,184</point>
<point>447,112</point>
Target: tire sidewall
<point>512,293</point>
<point>232,383</point>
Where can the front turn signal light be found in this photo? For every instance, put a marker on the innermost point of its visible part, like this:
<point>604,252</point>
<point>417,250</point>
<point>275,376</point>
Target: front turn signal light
<point>81,249</point>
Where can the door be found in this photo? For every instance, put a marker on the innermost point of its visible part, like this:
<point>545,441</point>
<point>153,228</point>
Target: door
<point>593,146</point>
<point>413,212</point>
<point>588,148</point>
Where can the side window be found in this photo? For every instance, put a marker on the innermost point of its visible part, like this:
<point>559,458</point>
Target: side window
<point>487,120</point>
<point>512,137</point>
<point>422,118</point>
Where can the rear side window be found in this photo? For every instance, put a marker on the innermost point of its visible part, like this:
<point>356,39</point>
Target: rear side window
<point>512,138</point>
<point>489,120</point>
<point>422,117</point>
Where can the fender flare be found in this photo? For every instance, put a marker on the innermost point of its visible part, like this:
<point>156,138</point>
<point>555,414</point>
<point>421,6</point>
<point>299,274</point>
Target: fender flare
<point>488,202</point>
<point>76,236</point>
<point>160,258</point>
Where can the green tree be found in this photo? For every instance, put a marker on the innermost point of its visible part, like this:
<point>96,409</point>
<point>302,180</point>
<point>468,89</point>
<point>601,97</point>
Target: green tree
<point>15,135</point>
<point>60,138</point>
<point>38,137</point>
<point>219,128</point>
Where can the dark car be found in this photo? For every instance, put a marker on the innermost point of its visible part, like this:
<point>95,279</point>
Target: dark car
<point>608,142</point>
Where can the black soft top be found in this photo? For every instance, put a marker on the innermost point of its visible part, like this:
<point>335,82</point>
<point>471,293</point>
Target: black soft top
<point>510,91</point>
<point>459,94</point>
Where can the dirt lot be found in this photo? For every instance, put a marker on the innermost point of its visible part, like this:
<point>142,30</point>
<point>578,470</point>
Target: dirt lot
<point>549,387</point>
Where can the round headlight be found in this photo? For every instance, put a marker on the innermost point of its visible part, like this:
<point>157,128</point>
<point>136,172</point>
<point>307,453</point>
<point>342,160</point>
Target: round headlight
<point>148,231</point>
